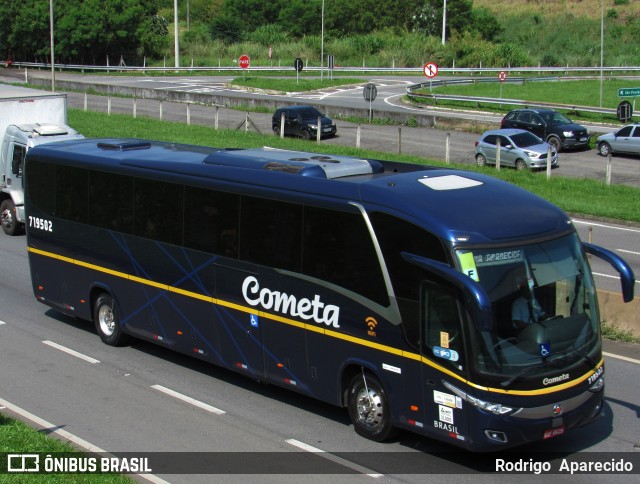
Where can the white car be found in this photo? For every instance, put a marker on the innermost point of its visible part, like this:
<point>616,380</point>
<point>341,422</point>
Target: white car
<point>625,140</point>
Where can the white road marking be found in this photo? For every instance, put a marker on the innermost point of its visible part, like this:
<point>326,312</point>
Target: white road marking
<point>55,429</point>
<point>620,357</point>
<point>610,276</point>
<point>334,458</point>
<point>71,352</point>
<point>586,222</point>
<point>189,400</point>
<point>2,322</point>
<point>628,251</point>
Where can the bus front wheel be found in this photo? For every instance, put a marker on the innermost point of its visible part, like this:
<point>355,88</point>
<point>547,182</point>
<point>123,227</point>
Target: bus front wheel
<point>369,408</point>
<point>107,320</point>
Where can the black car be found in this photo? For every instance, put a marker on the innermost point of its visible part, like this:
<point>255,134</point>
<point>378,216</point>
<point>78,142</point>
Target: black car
<point>553,127</point>
<point>302,121</point>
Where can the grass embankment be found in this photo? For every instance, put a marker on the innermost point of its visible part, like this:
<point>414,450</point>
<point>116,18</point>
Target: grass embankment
<point>615,201</point>
<point>16,437</point>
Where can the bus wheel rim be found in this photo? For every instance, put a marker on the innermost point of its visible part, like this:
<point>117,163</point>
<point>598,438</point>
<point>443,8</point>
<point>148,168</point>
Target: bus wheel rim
<point>370,408</point>
<point>107,323</point>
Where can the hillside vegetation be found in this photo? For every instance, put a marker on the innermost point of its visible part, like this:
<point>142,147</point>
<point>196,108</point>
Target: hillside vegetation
<point>567,32</point>
<point>370,33</point>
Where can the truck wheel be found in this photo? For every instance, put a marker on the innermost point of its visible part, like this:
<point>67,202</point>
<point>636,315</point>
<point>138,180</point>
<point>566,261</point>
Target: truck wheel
<point>107,320</point>
<point>10,223</point>
<point>369,408</point>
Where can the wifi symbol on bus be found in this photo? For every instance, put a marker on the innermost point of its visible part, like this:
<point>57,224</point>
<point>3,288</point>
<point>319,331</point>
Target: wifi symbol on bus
<point>371,324</point>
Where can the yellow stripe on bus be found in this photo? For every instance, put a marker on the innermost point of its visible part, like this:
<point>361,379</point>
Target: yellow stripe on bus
<point>318,329</point>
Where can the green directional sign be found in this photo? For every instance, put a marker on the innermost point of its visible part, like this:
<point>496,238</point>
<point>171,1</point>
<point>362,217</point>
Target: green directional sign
<point>629,92</point>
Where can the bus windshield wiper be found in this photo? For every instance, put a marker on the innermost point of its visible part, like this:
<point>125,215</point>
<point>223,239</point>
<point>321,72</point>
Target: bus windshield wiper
<point>525,371</point>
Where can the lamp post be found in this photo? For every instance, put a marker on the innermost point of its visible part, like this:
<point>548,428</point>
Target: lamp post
<point>175,23</point>
<point>53,68</point>
<point>601,48</point>
<point>444,21</point>
<point>322,43</point>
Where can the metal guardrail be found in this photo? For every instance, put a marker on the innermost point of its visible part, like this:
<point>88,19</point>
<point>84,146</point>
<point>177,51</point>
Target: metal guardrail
<point>418,70</point>
<point>492,100</point>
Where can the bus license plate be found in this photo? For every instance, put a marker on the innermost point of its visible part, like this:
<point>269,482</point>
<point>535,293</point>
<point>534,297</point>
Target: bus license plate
<point>548,434</point>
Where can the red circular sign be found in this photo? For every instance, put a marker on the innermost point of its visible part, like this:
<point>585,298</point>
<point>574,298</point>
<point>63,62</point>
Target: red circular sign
<point>244,61</point>
<point>502,76</point>
<point>430,69</point>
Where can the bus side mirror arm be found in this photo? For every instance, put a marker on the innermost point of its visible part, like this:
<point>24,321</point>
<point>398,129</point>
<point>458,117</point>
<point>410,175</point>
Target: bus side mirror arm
<point>473,292</point>
<point>627,279</point>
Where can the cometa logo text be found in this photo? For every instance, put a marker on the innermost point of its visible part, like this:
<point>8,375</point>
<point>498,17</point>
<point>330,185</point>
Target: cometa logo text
<point>290,305</point>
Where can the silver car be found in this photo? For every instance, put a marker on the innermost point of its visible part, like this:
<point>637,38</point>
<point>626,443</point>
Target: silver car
<point>518,148</point>
<point>625,140</point>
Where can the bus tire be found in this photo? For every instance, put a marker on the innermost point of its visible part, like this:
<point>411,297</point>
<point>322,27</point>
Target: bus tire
<point>107,320</point>
<point>370,414</point>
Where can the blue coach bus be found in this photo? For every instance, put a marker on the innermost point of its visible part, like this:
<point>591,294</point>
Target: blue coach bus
<point>444,302</point>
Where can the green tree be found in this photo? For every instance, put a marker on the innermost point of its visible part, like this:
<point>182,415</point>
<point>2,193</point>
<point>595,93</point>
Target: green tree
<point>300,18</point>
<point>227,28</point>
<point>486,24</point>
<point>251,14</point>
<point>28,33</point>
<point>353,17</point>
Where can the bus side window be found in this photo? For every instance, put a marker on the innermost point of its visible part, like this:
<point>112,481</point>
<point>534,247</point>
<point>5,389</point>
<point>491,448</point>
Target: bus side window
<point>441,324</point>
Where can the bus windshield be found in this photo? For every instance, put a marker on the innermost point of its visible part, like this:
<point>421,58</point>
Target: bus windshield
<point>544,306</point>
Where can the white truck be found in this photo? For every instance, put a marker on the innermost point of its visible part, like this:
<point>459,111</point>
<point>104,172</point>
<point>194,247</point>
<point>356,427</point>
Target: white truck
<point>28,117</point>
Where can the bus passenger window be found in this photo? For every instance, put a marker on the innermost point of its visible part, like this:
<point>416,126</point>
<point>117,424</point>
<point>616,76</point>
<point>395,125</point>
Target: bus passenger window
<point>72,194</point>
<point>158,210</point>
<point>111,201</point>
<point>211,221</point>
<point>270,233</point>
<point>442,326</point>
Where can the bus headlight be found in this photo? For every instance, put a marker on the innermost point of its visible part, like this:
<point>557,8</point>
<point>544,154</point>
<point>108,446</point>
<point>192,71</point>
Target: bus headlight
<point>494,408</point>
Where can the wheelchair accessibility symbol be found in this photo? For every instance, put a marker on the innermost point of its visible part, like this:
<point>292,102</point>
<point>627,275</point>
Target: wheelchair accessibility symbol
<point>545,349</point>
<point>254,320</point>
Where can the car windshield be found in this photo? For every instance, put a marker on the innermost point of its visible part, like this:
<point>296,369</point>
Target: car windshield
<point>544,308</point>
<point>553,118</point>
<point>526,139</point>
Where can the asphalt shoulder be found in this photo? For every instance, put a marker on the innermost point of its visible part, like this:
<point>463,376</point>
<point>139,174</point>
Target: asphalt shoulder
<point>628,350</point>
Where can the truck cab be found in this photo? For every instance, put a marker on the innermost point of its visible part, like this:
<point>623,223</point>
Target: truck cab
<point>17,140</point>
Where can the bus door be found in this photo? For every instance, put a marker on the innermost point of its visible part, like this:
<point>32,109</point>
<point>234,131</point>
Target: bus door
<point>239,324</point>
<point>442,348</point>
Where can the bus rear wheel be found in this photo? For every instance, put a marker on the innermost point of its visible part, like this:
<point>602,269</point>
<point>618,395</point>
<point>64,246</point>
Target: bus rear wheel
<point>369,408</point>
<point>107,320</point>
